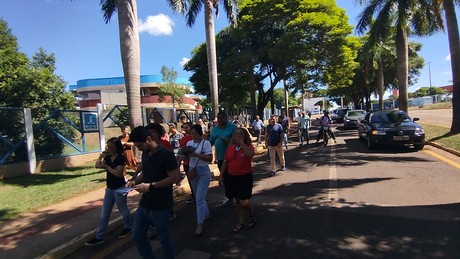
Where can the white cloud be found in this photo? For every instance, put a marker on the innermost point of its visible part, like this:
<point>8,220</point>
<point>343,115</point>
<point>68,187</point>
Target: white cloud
<point>448,72</point>
<point>183,61</point>
<point>448,57</point>
<point>157,25</point>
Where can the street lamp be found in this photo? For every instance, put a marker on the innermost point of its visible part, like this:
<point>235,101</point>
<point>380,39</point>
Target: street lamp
<point>429,74</point>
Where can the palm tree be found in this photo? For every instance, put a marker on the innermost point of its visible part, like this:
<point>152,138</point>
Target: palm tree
<point>454,46</point>
<point>402,14</point>
<point>192,8</point>
<point>130,53</point>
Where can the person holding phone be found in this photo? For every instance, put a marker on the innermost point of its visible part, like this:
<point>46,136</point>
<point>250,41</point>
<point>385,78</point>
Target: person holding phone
<point>113,161</point>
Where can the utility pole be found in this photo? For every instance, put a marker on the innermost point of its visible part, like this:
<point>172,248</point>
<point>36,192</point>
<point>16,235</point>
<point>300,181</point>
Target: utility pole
<point>429,74</point>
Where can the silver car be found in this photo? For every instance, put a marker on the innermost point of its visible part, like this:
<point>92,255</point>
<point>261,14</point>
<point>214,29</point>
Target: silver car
<point>350,120</point>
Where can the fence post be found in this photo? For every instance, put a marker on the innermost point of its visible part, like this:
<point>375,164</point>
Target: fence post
<point>100,121</point>
<point>30,140</point>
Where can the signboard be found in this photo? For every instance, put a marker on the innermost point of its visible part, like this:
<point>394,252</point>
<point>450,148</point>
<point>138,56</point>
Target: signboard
<point>90,121</point>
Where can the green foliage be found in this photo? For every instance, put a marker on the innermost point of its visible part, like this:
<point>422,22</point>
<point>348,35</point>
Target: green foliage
<point>304,42</point>
<point>31,84</point>
<point>171,89</point>
<point>425,91</point>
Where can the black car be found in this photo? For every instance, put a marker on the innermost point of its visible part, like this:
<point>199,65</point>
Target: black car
<point>391,127</point>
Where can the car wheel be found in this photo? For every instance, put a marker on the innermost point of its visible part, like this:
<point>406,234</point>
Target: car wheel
<point>419,146</point>
<point>370,143</point>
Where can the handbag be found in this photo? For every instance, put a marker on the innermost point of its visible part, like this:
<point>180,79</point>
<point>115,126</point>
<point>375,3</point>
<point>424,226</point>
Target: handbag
<point>191,174</point>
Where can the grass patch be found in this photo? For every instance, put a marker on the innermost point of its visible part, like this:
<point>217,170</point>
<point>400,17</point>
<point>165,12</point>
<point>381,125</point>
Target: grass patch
<point>28,193</point>
<point>441,136</point>
<point>442,105</point>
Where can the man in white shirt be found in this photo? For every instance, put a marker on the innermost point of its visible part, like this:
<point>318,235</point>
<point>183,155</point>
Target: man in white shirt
<point>257,128</point>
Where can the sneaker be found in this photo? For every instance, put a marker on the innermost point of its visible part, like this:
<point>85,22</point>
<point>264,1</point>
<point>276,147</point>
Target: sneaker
<point>94,242</point>
<point>272,173</point>
<point>124,233</point>
<point>227,202</point>
<point>190,200</point>
<point>283,168</point>
<point>173,216</point>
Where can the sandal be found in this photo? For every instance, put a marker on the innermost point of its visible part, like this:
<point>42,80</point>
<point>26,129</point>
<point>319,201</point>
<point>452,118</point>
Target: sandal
<point>252,222</point>
<point>238,227</point>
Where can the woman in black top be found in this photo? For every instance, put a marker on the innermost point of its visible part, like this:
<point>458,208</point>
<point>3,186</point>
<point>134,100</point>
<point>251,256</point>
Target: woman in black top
<point>113,161</point>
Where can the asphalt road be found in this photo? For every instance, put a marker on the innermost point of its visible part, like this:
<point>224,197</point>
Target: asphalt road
<point>339,201</point>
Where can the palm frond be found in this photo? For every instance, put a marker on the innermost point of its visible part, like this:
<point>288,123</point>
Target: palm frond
<point>193,10</point>
<point>179,6</point>
<point>108,7</point>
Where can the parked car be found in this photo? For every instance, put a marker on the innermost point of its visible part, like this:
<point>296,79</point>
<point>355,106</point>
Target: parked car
<point>350,119</point>
<point>392,127</point>
<point>340,114</point>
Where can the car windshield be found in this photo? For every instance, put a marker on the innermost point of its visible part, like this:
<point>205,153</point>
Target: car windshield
<point>389,117</point>
<point>355,113</point>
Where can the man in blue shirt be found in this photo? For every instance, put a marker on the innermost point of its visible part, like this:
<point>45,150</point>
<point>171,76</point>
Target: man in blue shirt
<point>220,138</point>
<point>257,128</point>
<point>274,141</point>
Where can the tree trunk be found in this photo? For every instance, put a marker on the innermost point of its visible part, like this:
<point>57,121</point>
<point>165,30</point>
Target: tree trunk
<point>211,54</point>
<point>252,92</point>
<point>454,46</point>
<point>286,98</point>
<point>402,60</point>
<point>380,84</point>
<point>130,58</point>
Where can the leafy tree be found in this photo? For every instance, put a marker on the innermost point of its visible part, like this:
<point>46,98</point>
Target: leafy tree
<point>276,41</point>
<point>426,90</point>
<point>192,10</point>
<point>170,88</point>
<point>34,85</point>
<point>404,16</point>
<point>130,53</point>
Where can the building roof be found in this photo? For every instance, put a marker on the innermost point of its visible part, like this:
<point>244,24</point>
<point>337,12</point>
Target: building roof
<point>110,81</point>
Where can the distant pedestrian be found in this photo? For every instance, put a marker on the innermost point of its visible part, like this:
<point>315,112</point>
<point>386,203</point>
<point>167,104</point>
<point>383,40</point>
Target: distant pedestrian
<point>220,138</point>
<point>257,128</point>
<point>304,126</point>
<point>186,128</point>
<point>200,174</point>
<point>131,160</point>
<point>160,172</point>
<point>274,141</point>
<point>237,165</point>
<point>284,121</point>
<point>113,162</point>
<point>174,137</point>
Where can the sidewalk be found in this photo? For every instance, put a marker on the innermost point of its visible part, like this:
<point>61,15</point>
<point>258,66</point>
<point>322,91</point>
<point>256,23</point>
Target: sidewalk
<point>58,230</point>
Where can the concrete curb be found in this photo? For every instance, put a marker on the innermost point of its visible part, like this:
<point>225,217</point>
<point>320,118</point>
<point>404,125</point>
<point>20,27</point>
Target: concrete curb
<point>437,145</point>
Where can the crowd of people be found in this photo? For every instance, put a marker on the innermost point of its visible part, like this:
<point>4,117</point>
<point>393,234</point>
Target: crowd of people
<point>191,148</point>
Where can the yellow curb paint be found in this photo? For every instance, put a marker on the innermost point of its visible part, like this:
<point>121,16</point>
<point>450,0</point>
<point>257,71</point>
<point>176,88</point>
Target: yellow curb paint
<point>442,158</point>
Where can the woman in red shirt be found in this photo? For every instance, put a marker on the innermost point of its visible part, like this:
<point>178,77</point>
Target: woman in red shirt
<point>237,163</point>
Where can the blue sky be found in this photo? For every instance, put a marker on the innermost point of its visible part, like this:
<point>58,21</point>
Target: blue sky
<point>86,47</point>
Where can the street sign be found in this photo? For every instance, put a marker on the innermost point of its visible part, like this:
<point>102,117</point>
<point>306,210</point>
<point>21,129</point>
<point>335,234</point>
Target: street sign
<point>90,121</point>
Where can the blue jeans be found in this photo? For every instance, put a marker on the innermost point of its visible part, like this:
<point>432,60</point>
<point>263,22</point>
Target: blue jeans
<point>143,218</point>
<point>201,184</point>
<point>110,198</point>
<point>304,135</point>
